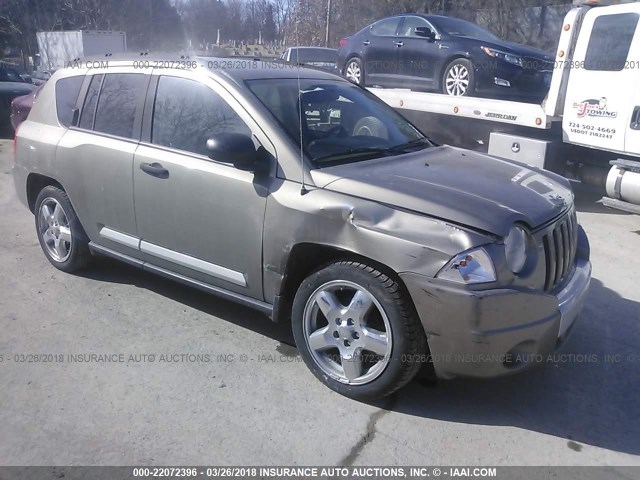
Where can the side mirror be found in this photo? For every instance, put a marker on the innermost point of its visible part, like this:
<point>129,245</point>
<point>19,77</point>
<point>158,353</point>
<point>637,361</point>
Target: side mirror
<point>425,32</point>
<point>239,150</point>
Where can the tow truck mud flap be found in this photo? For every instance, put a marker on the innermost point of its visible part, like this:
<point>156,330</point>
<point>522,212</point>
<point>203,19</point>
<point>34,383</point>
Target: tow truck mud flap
<point>623,186</point>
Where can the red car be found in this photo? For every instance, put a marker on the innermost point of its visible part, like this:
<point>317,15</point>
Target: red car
<point>21,106</point>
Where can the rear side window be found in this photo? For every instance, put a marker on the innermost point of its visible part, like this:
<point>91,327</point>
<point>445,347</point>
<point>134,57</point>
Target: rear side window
<point>120,95</point>
<point>90,101</point>
<point>610,42</point>
<point>67,90</point>
<point>386,27</point>
<point>187,113</point>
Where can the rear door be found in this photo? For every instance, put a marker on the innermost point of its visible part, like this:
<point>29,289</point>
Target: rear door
<point>381,52</point>
<point>603,84</point>
<point>95,157</point>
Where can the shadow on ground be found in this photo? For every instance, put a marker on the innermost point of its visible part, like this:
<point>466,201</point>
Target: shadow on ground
<point>107,270</point>
<point>584,399</point>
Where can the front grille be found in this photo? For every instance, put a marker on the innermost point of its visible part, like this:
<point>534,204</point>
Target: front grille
<point>560,242</point>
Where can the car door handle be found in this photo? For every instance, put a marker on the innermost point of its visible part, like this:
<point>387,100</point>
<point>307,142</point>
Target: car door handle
<point>635,119</point>
<point>154,169</point>
<point>366,43</point>
<point>399,44</point>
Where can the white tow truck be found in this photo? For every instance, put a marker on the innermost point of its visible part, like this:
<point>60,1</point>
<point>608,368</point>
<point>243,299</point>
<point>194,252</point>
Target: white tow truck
<point>587,128</point>
<point>59,49</point>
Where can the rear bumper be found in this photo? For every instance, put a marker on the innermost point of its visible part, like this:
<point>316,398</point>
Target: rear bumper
<point>497,332</point>
<point>20,175</point>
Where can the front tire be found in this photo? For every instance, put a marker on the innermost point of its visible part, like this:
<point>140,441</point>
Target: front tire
<point>357,330</point>
<point>354,71</point>
<point>459,79</point>
<point>62,238</point>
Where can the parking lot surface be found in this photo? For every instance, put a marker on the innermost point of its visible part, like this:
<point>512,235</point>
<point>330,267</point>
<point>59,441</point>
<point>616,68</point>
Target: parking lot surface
<point>184,378</point>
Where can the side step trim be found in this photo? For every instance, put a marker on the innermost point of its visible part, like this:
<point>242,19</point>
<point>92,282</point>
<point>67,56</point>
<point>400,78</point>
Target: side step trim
<point>233,296</point>
<point>261,306</point>
<point>107,252</point>
<point>196,264</point>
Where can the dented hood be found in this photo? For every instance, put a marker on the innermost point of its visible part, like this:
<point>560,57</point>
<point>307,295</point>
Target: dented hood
<point>460,186</point>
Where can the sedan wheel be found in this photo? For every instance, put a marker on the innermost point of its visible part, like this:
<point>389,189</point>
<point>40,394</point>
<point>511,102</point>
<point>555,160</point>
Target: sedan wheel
<point>458,79</point>
<point>353,71</point>
<point>357,330</point>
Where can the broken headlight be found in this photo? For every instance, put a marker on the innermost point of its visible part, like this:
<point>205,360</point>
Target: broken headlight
<point>474,266</point>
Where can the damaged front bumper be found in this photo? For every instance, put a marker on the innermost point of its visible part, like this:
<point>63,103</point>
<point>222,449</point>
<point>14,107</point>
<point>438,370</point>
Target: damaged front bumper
<point>496,332</point>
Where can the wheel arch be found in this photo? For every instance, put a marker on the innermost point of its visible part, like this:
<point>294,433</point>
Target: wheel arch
<point>353,55</point>
<point>447,63</point>
<point>35,183</point>
<point>306,258</point>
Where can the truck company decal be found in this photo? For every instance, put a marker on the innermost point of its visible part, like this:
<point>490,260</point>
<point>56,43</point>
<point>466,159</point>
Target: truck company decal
<point>502,116</point>
<point>594,108</point>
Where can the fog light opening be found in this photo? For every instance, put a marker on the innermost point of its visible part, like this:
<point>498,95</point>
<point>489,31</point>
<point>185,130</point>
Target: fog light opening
<point>521,355</point>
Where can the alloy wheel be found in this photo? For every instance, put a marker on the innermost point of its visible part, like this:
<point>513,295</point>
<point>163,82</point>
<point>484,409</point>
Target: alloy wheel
<point>354,72</point>
<point>457,81</point>
<point>55,230</point>
<point>347,332</point>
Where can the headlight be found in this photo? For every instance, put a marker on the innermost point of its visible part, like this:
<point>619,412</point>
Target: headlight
<point>516,248</point>
<point>474,266</point>
<point>507,57</point>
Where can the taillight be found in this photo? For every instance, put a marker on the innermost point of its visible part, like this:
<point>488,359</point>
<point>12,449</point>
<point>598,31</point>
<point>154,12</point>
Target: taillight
<point>343,42</point>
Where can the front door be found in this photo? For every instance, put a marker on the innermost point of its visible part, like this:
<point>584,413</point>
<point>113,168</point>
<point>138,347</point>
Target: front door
<point>198,217</point>
<point>603,81</point>
<point>417,56</point>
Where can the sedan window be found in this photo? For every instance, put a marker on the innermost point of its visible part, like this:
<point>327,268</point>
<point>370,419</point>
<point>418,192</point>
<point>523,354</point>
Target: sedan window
<point>386,27</point>
<point>188,113</point>
<point>410,24</point>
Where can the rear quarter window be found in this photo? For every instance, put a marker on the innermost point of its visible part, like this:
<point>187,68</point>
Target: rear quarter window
<point>67,91</point>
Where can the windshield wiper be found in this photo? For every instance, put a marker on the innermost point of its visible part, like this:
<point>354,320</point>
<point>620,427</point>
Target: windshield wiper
<point>406,147</point>
<point>354,152</point>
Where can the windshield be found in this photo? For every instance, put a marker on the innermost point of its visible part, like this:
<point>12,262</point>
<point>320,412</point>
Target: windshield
<point>462,28</point>
<point>341,123</point>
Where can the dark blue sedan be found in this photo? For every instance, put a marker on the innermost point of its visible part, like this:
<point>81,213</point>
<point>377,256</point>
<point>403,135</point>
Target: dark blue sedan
<point>444,54</point>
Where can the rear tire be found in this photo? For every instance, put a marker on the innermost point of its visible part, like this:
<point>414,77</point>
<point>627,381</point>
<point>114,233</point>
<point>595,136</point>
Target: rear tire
<point>61,236</point>
<point>357,330</point>
<point>459,79</point>
<point>354,71</point>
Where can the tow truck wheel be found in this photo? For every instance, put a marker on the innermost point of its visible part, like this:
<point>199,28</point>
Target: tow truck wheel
<point>458,80</point>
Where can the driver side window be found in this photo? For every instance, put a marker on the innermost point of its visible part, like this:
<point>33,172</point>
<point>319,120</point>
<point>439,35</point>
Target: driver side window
<point>410,24</point>
<point>187,113</point>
